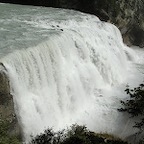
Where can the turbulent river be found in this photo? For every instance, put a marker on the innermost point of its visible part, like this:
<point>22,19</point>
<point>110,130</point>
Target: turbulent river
<point>67,67</point>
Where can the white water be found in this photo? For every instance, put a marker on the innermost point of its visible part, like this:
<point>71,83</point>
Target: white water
<point>66,67</point>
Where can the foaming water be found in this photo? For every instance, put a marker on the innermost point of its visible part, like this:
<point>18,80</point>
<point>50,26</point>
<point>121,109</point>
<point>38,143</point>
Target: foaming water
<point>68,77</point>
<point>57,82</point>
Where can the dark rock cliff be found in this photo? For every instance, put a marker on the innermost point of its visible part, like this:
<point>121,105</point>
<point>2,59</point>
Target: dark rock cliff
<point>7,112</point>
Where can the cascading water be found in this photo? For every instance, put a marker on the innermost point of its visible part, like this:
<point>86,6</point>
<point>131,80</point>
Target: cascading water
<point>62,66</point>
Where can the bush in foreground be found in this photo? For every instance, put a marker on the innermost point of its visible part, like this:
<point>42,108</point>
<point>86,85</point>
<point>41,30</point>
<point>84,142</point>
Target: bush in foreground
<point>135,104</point>
<point>75,135</point>
<point>135,107</point>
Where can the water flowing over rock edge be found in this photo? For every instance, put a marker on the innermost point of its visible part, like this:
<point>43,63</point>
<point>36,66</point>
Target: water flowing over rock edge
<point>57,54</point>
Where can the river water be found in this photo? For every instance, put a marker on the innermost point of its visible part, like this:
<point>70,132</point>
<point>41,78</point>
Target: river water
<point>67,67</point>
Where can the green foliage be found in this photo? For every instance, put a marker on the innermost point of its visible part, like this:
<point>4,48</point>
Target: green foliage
<point>135,105</point>
<point>48,137</point>
<point>5,137</point>
<point>75,135</point>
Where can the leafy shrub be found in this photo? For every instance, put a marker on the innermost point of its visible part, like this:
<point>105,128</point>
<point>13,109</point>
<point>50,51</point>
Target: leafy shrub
<point>135,105</point>
<point>75,135</point>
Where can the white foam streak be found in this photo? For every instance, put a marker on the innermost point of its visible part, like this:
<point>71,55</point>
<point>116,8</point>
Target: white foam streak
<point>61,81</point>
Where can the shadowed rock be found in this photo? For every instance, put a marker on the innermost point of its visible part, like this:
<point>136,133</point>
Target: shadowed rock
<point>7,112</point>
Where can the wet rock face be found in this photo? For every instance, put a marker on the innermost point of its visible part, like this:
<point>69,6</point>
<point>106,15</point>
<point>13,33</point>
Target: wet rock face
<point>130,22</point>
<point>137,36</point>
<point>7,112</point>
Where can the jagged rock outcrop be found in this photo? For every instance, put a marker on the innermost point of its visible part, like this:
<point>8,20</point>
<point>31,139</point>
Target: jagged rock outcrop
<point>130,21</point>
<point>7,112</point>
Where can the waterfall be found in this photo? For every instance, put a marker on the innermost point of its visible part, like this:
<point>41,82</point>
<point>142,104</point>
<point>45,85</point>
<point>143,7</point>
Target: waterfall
<point>63,79</point>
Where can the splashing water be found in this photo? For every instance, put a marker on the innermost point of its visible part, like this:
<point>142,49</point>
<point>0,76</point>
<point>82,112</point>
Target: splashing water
<point>62,67</point>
